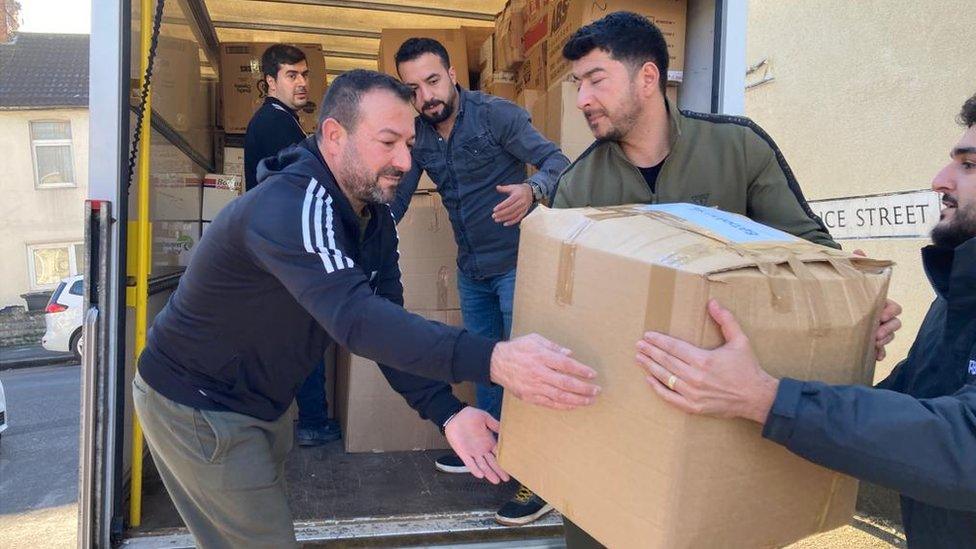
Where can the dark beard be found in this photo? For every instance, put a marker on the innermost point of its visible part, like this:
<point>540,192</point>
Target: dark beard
<point>445,113</point>
<point>362,184</point>
<point>621,127</point>
<point>961,228</point>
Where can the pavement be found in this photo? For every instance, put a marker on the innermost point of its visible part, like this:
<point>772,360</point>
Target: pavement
<point>39,457</point>
<point>29,356</point>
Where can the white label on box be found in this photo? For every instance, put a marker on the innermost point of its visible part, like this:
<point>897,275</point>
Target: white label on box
<point>734,228</point>
<point>234,161</point>
<point>898,215</point>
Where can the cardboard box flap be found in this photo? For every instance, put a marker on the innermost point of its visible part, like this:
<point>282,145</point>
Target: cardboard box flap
<point>703,240</point>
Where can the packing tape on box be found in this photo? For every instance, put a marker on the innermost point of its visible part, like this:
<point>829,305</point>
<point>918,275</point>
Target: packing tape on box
<point>814,293</point>
<point>567,264</point>
<point>660,293</point>
<point>443,277</point>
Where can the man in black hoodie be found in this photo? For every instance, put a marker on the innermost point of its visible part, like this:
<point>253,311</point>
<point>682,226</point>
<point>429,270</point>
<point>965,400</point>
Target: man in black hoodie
<point>307,258</point>
<point>915,432</point>
<point>274,127</point>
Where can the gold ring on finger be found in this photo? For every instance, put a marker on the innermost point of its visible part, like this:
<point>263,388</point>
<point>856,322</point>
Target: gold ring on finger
<point>671,381</point>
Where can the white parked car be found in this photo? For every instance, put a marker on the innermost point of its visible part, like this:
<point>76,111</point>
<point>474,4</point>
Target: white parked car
<point>64,317</point>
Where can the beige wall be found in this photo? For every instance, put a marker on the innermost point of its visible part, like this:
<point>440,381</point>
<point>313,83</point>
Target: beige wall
<point>863,101</point>
<point>29,215</point>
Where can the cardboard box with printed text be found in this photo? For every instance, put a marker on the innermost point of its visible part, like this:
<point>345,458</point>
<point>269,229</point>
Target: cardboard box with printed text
<point>634,471</point>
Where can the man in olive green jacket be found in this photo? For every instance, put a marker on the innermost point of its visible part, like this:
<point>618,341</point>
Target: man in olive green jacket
<point>649,152</point>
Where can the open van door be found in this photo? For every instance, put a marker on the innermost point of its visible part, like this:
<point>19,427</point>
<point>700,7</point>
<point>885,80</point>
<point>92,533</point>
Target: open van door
<point>111,477</point>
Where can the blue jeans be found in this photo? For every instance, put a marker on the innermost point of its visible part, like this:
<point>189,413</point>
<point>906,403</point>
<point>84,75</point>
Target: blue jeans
<point>313,410</point>
<point>486,308</point>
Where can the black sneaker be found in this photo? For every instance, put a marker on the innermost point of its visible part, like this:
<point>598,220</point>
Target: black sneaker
<point>522,509</point>
<point>450,463</point>
<point>319,435</point>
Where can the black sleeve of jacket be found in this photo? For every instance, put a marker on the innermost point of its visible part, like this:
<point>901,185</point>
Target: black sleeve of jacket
<point>267,135</point>
<point>289,234</point>
<point>433,400</point>
<point>774,195</point>
<point>922,448</point>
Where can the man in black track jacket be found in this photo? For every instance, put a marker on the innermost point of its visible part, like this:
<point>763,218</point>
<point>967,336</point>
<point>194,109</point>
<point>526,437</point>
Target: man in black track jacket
<point>275,127</point>
<point>916,431</point>
<point>307,258</point>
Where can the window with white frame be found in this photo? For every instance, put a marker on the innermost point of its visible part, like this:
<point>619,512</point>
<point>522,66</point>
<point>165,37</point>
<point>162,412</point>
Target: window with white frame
<point>51,145</point>
<point>47,264</point>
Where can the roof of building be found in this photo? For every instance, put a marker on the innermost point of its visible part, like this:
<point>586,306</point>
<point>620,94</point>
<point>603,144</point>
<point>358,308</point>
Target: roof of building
<point>44,70</point>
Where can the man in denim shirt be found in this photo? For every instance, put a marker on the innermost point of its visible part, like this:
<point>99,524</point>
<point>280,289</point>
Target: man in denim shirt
<point>475,147</point>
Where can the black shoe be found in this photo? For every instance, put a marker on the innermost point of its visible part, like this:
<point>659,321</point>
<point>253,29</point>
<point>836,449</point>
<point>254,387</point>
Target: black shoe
<point>450,463</point>
<point>318,436</point>
<point>522,509</point>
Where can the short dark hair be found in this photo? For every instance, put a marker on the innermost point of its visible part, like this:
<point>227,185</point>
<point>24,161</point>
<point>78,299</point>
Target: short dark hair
<point>277,55</point>
<point>341,101</point>
<point>628,37</point>
<point>967,115</point>
<point>415,47</point>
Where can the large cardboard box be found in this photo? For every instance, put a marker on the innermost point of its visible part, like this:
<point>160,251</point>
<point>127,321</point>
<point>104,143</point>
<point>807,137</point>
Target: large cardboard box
<point>474,39</point>
<point>428,255</point>
<point>176,84</point>
<point>174,197</point>
<point>242,88</point>
<point>536,24</point>
<point>173,242</point>
<point>234,161</point>
<point>534,101</point>
<point>567,16</point>
<point>634,471</point>
<point>531,74</point>
<point>453,40</point>
<point>501,84</point>
<point>536,11</point>
<point>426,183</point>
<point>565,124</point>
<point>218,191</point>
<point>374,417</point>
<point>509,27</point>
<point>486,54</point>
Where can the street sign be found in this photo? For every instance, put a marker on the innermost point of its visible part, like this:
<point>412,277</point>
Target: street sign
<point>897,215</point>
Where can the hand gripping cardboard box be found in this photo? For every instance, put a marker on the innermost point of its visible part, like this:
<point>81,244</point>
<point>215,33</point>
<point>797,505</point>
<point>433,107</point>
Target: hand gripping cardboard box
<point>634,471</point>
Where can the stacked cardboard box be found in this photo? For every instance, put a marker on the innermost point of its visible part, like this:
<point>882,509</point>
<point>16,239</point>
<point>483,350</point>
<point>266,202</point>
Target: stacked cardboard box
<point>173,243</point>
<point>565,124</point>
<point>567,16</point>
<point>509,27</point>
<point>453,40</point>
<point>375,418</point>
<point>500,84</point>
<point>218,191</point>
<point>175,197</point>
<point>634,471</point>
<point>232,146</point>
<point>243,89</point>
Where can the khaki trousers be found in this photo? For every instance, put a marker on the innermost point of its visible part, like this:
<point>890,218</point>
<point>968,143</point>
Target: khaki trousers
<point>224,471</point>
